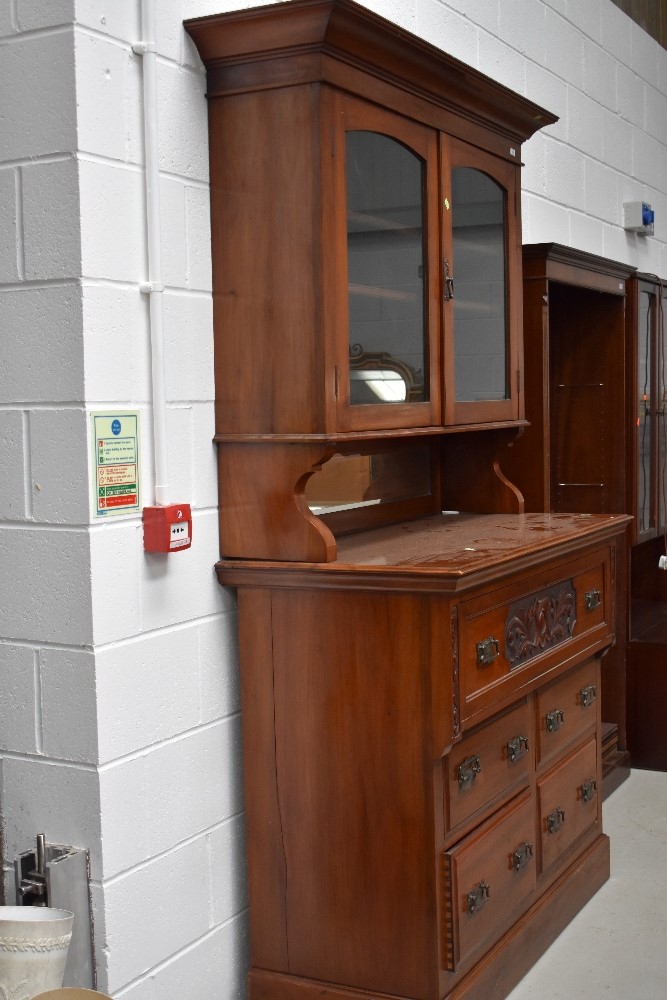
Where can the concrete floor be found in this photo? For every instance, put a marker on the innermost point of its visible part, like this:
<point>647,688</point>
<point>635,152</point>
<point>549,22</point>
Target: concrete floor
<point>616,947</point>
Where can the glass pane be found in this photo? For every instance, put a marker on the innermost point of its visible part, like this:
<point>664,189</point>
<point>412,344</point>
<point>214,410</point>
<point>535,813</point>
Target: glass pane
<point>480,294</point>
<point>662,403</point>
<point>644,423</point>
<point>386,270</point>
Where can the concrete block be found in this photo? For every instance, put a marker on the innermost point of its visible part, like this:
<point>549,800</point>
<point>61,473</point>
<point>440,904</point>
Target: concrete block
<point>116,550</point>
<point>616,34</point>
<point>198,238</point>
<point>43,796</point>
<point>588,17</point>
<point>630,96</point>
<point>228,873</point>
<point>9,268</point>
<point>587,233</point>
<point>602,195</point>
<point>7,20</point>
<point>169,29</point>
<point>534,171</point>
<point>215,966</point>
<point>662,70</point>
<point>627,247</point>
<point>543,221</point>
<point>18,705</point>
<point>644,55</point>
<point>119,20</point>
<point>551,93</point>
<point>617,142</point>
<point>147,690</point>
<point>68,704</point>
<point>12,463</point>
<point>585,124</point>
<point>448,30</point>
<point>522,25</point>
<point>558,5</point>
<point>599,75</point>
<point>484,13</point>
<point>564,55</point>
<point>38,71</point>
<point>172,232</point>
<point>502,63</point>
<point>124,816</point>
<point>45,585</point>
<point>51,225</point>
<point>155,911</point>
<point>656,113</point>
<point>109,92</point>
<point>183,130</point>
<point>112,207</point>
<point>34,14</point>
<point>41,345</point>
<point>117,357</point>
<point>180,434</point>
<point>60,473</point>
<point>205,488</point>
<point>565,174</point>
<point>181,586</point>
<point>648,160</point>
<point>188,333</point>
<point>194,783</point>
<point>219,678</point>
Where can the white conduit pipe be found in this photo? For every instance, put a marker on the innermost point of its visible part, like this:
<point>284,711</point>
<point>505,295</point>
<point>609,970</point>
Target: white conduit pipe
<point>154,287</point>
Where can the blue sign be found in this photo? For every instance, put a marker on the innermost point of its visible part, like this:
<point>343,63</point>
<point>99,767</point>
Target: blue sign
<point>115,426</point>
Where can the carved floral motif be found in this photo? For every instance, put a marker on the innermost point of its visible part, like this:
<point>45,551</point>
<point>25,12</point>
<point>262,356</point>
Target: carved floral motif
<point>540,623</point>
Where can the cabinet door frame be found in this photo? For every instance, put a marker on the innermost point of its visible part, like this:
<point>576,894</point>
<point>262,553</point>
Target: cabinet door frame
<point>456,153</point>
<point>352,114</point>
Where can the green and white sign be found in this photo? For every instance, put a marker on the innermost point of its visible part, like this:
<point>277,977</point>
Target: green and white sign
<point>116,450</point>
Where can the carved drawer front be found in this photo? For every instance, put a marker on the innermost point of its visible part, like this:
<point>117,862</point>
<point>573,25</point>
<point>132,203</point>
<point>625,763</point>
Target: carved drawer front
<point>487,762</point>
<point>519,633</point>
<point>569,802</point>
<point>566,709</point>
<point>487,877</point>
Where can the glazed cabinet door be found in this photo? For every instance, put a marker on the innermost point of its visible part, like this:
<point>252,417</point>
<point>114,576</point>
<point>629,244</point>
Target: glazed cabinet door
<point>383,310</point>
<point>481,237</point>
<point>648,345</point>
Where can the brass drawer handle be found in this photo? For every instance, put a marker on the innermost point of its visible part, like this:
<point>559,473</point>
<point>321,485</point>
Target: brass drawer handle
<point>588,790</point>
<point>487,651</point>
<point>477,897</point>
<point>555,720</point>
<point>587,695</point>
<point>555,820</point>
<point>468,771</point>
<point>592,600</point>
<point>521,856</point>
<point>517,748</point>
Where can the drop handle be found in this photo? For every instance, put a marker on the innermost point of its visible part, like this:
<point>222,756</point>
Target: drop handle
<point>554,720</point>
<point>592,600</point>
<point>521,856</point>
<point>467,771</point>
<point>587,695</point>
<point>555,820</point>
<point>487,651</point>
<point>477,897</point>
<point>517,748</point>
<point>588,790</point>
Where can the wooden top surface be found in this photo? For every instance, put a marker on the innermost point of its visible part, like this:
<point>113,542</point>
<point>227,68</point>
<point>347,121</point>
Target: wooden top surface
<point>442,553</point>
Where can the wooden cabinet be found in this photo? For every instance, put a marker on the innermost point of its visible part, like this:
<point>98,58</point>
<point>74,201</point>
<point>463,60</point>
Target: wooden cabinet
<point>404,624</point>
<point>403,839</point>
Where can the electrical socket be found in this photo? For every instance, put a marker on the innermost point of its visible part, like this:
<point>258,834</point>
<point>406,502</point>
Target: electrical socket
<point>662,562</point>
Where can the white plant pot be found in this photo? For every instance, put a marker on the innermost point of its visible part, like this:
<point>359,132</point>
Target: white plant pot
<point>33,950</point>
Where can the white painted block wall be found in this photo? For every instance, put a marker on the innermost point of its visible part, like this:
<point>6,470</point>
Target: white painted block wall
<point>119,701</point>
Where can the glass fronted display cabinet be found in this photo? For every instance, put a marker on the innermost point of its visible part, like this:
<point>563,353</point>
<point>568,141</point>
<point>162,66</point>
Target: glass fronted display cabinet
<point>420,659</point>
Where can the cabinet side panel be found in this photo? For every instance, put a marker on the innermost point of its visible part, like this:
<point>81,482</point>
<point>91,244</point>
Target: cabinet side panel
<point>264,203</point>
<point>355,788</point>
<point>266,859</point>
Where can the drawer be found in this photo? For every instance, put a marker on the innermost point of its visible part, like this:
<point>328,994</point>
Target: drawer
<point>488,877</point>
<point>487,763</point>
<point>512,635</point>
<point>566,709</point>
<point>569,802</point>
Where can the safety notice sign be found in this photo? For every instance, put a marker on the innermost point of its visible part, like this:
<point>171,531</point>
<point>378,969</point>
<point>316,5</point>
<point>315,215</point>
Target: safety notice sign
<point>116,444</point>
